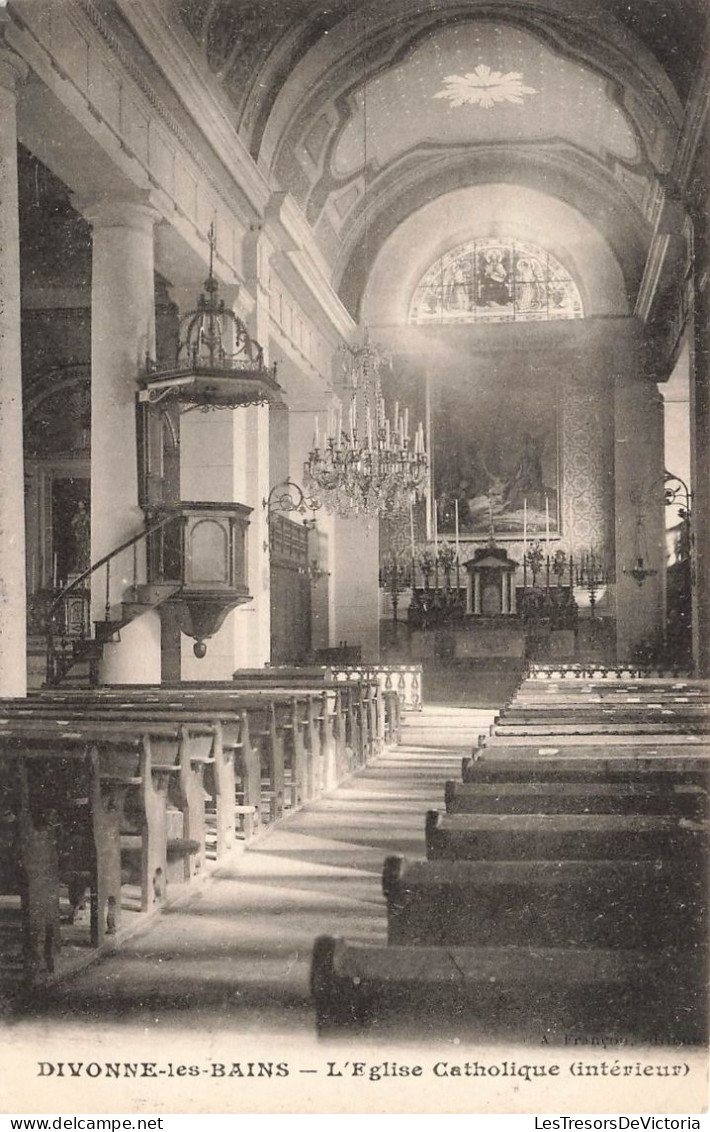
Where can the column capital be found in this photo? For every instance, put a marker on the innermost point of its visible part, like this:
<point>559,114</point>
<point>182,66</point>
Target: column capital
<point>103,210</point>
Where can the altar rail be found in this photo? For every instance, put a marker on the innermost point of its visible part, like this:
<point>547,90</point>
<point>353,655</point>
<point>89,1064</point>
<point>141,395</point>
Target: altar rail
<point>407,680</point>
<point>605,672</point>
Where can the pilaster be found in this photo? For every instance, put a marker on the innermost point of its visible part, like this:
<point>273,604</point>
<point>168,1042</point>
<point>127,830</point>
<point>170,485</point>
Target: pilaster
<point>639,514</point>
<point>13,594</point>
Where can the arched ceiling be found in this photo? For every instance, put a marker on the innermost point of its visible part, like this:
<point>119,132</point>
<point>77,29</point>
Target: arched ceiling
<point>367,110</point>
<point>253,45</point>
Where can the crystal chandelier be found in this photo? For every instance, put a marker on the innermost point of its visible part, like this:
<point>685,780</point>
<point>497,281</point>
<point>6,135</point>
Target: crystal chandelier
<point>368,465</point>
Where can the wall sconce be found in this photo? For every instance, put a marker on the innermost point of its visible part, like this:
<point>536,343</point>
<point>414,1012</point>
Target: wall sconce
<point>315,573</point>
<point>638,570</point>
<point>287,497</point>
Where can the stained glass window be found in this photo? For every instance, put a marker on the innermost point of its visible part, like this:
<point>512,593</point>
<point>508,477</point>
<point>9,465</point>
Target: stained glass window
<point>495,280</point>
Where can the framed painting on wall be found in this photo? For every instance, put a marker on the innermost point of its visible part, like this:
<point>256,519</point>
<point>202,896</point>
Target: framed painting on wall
<point>495,455</point>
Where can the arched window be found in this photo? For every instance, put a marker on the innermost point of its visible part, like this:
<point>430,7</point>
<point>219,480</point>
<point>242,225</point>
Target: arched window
<point>495,280</point>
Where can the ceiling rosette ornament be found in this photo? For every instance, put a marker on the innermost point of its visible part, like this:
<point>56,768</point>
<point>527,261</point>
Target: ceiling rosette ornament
<point>484,87</point>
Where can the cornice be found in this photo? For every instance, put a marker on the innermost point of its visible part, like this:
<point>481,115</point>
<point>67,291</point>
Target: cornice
<point>290,233</point>
<point>164,41</point>
<point>697,115</point>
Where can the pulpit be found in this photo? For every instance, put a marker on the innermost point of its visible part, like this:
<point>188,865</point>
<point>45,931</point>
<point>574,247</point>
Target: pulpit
<point>491,583</point>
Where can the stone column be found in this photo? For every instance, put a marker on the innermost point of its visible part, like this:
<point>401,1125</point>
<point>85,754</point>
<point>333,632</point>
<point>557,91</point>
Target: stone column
<point>122,334</point>
<point>700,444</point>
<point>224,457</point>
<point>13,594</point>
<point>477,593</point>
<point>257,482</point>
<point>356,584</point>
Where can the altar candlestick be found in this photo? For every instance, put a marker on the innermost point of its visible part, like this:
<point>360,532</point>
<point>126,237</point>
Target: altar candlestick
<point>456,527</point>
<point>547,521</point>
<point>436,528</point>
<point>525,524</point>
<point>316,434</point>
<point>548,572</point>
<point>406,423</point>
<point>54,571</point>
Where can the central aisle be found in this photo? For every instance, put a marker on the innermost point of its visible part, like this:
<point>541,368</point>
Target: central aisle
<point>236,952</point>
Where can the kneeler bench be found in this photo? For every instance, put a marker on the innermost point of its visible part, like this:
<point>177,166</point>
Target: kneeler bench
<point>450,991</point>
<point>638,905</point>
<point>574,797</point>
<point>476,837</point>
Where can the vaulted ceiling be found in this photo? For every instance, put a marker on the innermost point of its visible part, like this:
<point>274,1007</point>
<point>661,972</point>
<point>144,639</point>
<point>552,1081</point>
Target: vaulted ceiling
<point>368,110</point>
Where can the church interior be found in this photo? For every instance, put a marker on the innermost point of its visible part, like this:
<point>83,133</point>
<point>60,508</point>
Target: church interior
<point>355,420</point>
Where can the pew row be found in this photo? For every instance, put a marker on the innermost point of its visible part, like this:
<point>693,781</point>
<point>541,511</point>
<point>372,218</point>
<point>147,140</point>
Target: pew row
<point>486,992</point>
<point>630,904</point>
<point>475,837</point>
<point>595,797</point>
<point>160,780</point>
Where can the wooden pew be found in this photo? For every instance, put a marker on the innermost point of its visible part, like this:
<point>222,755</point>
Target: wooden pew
<point>278,717</point>
<point>631,904</point>
<point>67,796</point>
<point>277,722</point>
<point>587,765</point>
<point>480,992</point>
<point>476,837</point>
<point>596,797</point>
<point>171,762</point>
<point>682,715</point>
<point>573,727</point>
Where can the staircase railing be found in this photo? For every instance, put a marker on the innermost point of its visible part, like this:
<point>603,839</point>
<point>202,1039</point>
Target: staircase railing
<point>74,645</point>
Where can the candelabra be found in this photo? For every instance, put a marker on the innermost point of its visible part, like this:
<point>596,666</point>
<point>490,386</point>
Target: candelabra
<point>371,465</point>
<point>532,561</point>
<point>592,575</point>
<point>395,577</point>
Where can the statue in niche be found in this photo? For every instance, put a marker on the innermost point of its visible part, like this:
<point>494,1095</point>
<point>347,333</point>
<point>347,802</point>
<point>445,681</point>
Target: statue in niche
<point>81,531</point>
